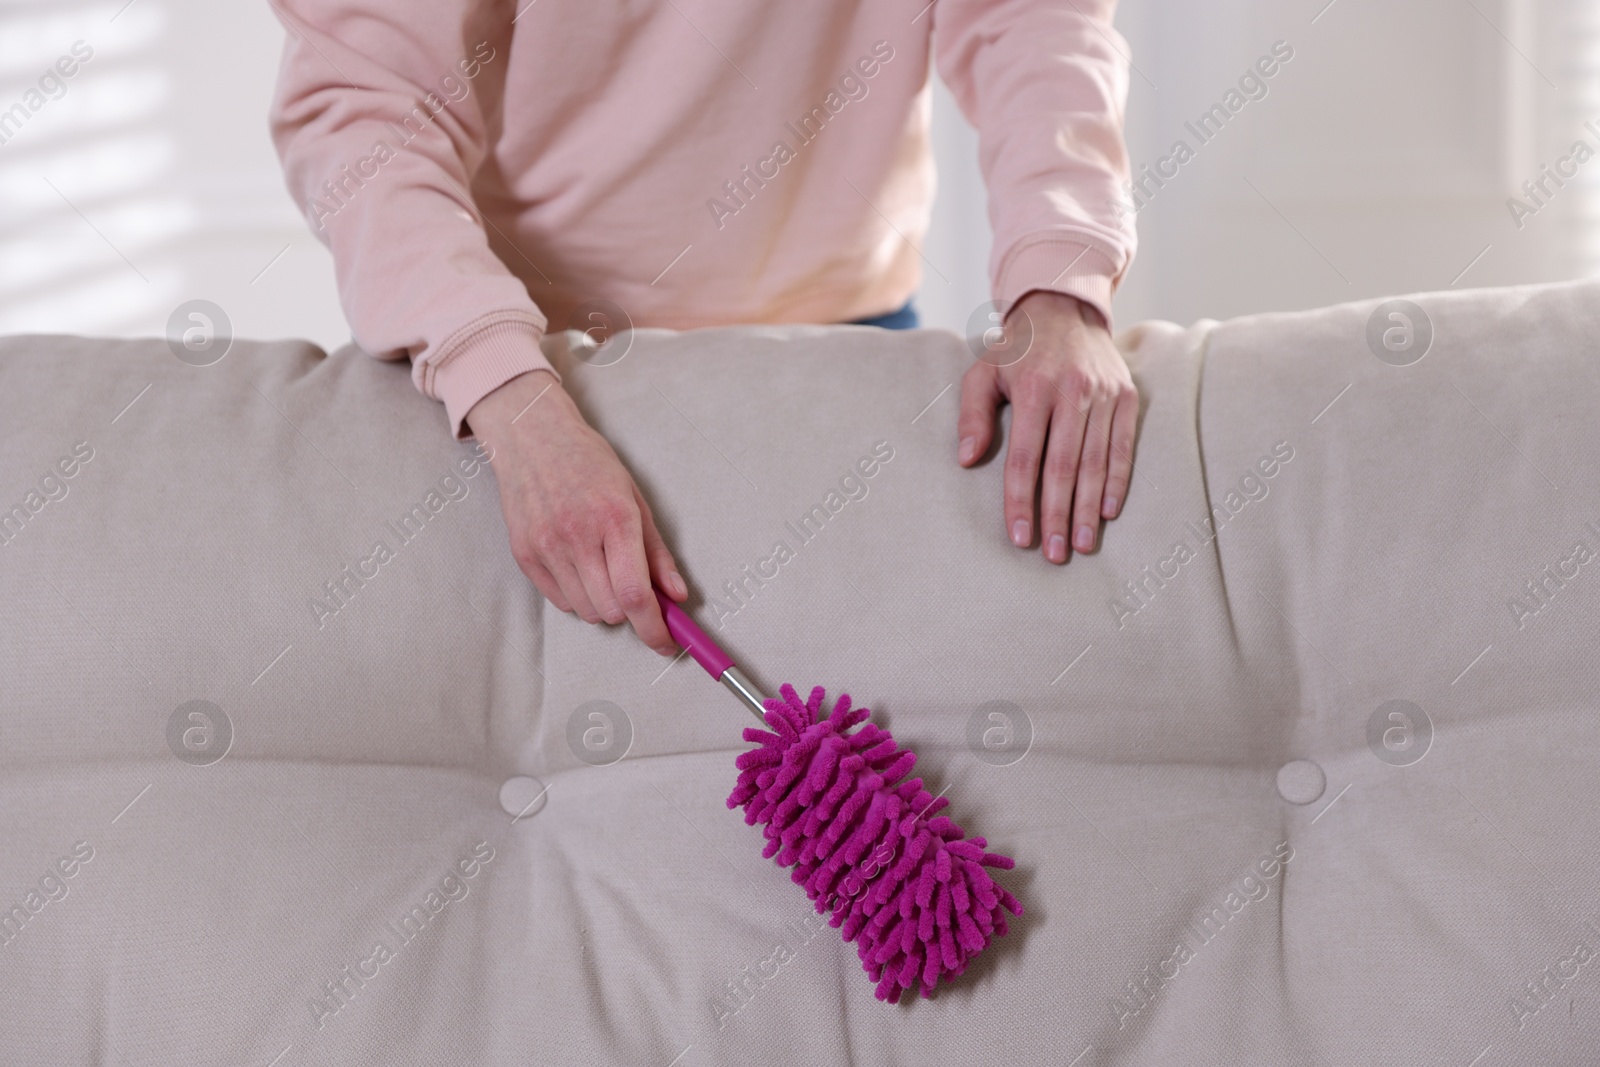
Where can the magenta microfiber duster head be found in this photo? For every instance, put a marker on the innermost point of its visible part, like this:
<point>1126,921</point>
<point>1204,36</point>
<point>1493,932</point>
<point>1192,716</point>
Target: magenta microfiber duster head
<point>901,880</point>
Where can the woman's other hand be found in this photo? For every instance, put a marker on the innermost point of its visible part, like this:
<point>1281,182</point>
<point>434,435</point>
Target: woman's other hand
<point>1074,414</point>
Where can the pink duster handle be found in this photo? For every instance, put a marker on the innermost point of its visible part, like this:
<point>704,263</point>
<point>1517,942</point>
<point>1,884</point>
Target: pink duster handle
<point>684,631</point>
<point>717,663</point>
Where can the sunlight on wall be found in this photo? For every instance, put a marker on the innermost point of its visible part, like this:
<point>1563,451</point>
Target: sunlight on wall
<point>146,177</point>
<point>87,204</point>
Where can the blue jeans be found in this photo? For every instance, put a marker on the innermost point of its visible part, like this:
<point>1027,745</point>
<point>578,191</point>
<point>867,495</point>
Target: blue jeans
<point>904,319</point>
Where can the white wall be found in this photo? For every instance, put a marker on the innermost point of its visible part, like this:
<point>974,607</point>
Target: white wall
<point>1379,161</point>
<point>959,237</point>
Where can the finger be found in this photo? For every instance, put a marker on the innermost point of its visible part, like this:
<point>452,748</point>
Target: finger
<point>1124,428</point>
<point>595,574</point>
<point>662,566</point>
<point>577,595</point>
<point>980,395</point>
<point>1060,476</point>
<point>1091,476</point>
<point>629,570</point>
<point>1031,406</point>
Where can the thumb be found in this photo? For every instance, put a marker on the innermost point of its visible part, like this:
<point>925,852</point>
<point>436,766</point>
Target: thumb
<point>980,395</point>
<point>663,568</point>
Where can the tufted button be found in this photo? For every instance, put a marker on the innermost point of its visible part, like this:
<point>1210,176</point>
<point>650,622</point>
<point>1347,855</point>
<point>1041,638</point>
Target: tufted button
<point>522,796</point>
<point>1301,781</point>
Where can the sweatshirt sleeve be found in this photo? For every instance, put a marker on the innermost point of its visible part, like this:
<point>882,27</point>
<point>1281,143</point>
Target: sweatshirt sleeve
<point>1046,84</point>
<point>379,118</point>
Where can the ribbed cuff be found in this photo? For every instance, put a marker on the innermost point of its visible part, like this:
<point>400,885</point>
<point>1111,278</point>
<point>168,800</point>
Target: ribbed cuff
<point>1060,265</point>
<point>488,356</point>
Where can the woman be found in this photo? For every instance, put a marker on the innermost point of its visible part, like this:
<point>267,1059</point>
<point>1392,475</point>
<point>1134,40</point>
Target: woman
<point>484,172</point>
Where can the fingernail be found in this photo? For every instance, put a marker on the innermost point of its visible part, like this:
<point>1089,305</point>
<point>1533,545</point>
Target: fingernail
<point>969,445</point>
<point>1085,539</point>
<point>675,584</point>
<point>1058,549</point>
<point>1111,506</point>
<point>1019,533</point>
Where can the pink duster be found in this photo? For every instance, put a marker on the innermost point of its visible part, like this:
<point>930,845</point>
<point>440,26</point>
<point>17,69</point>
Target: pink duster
<point>868,845</point>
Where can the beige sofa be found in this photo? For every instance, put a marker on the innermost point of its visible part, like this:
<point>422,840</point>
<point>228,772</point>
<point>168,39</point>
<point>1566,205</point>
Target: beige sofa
<point>1298,768</point>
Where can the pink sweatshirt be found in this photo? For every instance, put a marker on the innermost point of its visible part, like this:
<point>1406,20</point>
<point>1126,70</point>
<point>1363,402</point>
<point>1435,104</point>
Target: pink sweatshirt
<point>480,174</point>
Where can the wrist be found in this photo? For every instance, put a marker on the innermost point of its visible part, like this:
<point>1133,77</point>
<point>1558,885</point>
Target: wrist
<point>1045,303</point>
<point>509,401</point>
